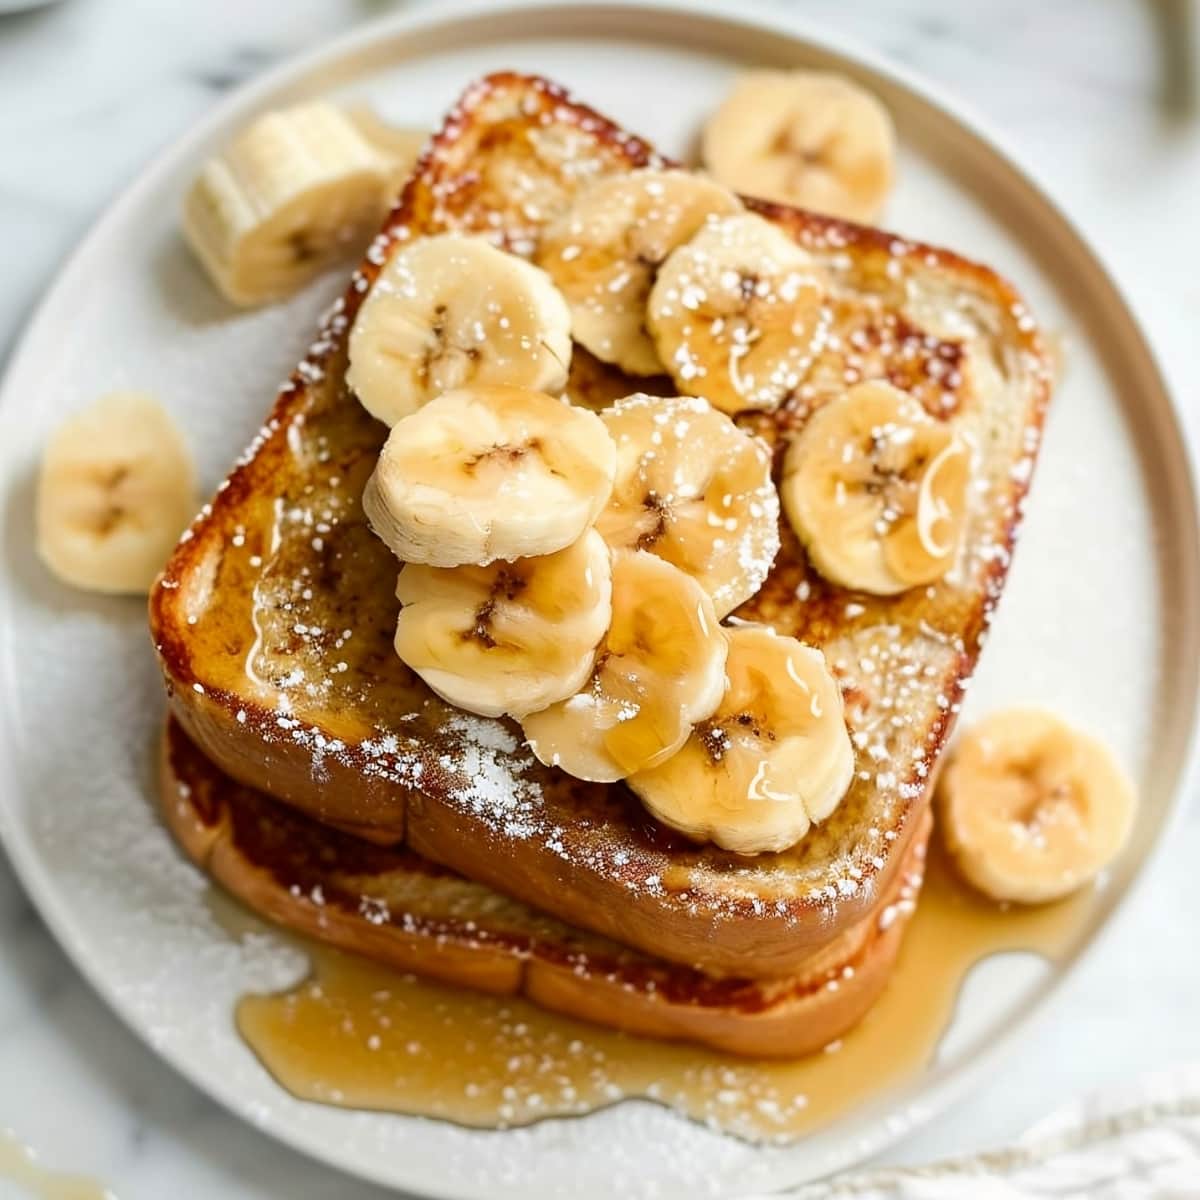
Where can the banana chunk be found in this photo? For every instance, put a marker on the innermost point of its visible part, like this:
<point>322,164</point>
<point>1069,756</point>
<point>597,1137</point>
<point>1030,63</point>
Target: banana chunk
<point>295,191</point>
<point>604,251</point>
<point>694,489</point>
<point>399,146</point>
<point>1032,809</point>
<point>116,489</point>
<point>450,312</point>
<point>807,138</point>
<point>510,637</point>
<point>738,313</point>
<point>876,490</point>
<point>660,669</point>
<point>774,758</point>
<point>489,473</point>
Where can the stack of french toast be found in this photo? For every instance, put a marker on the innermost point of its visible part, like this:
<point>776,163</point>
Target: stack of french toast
<point>633,704</point>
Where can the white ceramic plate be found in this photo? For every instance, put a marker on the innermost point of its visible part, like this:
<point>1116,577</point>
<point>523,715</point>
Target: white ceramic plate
<point>1099,620</point>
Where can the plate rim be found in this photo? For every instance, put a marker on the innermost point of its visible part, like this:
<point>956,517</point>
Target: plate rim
<point>295,70</point>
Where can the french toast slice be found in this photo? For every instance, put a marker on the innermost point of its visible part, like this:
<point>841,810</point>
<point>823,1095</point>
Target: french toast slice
<point>274,618</point>
<point>391,905</point>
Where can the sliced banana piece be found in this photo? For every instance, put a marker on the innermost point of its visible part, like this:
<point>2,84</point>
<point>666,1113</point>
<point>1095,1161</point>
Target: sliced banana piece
<point>450,312</point>
<point>774,758</point>
<point>398,146</point>
<point>488,473</point>
<point>694,489</point>
<point>116,489</point>
<point>604,251</point>
<point>296,190</point>
<point>660,668</point>
<point>1032,809</point>
<point>737,314</point>
<point>876,490</point>
<point>806,138</point>
<point>510,637</point>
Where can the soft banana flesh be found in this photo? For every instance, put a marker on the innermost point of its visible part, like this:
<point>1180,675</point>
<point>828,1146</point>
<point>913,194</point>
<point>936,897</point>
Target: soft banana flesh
<point>604,251</point>
<point>806,138</point>
<point>489,473</point>
<point>694,489</point>
<point>737,314</point>
<point>774,757</point>
<point>296,190</point>
<point>398,146</point>
<point>450,312</point>
<point>1030,808</point>
<point>510,637</point>
<point>660,669</point>
<point>876,490</point>
<point>116,489</point>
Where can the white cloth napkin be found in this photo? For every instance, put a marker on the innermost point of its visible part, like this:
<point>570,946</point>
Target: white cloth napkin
<point>1142,1143</point>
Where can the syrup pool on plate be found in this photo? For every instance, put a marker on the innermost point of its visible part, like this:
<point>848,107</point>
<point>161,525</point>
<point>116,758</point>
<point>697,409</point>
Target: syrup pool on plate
<point>357,1035</point>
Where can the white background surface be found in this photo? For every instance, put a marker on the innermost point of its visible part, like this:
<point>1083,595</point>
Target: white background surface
<point>89,89</point>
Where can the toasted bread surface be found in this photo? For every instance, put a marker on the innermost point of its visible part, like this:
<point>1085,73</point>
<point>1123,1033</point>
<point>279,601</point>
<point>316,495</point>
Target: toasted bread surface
<point>391,905</point>
<point>274,618</point>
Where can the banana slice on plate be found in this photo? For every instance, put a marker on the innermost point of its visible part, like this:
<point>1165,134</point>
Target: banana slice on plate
<point>398,145</point>
<point>806,138</point>
<point>772,760</point>
<point>603,253</point>
<point>295,191</point>
<point>876,490</point>
<point>737,314</point>
<point>1032,809</point>
<point>694,489</point>
<point>660,668</point>
<point>116,489</point>
<point>449,312</point>
<point>510,637</point>
<point>489,473</point>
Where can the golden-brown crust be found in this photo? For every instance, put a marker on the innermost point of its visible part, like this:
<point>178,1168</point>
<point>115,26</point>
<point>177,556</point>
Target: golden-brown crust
<point>339,890</point>
<point>375,752</point>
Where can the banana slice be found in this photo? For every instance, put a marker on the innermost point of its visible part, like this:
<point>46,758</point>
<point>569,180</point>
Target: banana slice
<point>1032,809</point>
<point>876,489</point>
<point>694,489</point>
<point>398,146</point>
<point>489,472</point>
<point>774,759</point>
<point>450,312</point>
<point>806,138</point>
<point>296,190</point>
<point>116,489</point>
<point>660,668</point>
<point>737,314</point>
<point>603,253</point>
<point>510,637</point>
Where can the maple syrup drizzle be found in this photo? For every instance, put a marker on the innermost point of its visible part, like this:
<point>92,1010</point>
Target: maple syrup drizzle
<point>18,1164</point>
<point>360,1036</point>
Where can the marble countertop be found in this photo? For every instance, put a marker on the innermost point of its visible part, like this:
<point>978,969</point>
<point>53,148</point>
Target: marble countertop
<point>1096,98</point>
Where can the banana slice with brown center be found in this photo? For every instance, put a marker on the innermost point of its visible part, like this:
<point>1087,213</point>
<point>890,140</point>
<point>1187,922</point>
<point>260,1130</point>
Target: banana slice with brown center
<point>694,489</point>
<point>116,489</point>
<point>774,758</point>
<point>737,314</point>
<point>294,191</point>
<point>876,490</point>
<point>489,472</point>
<point>450,312</point>
<point>1032,809</point>
<point>807,138</point>
<point>604,251</point>
<point>660,668</point>
<point>510,637</point>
